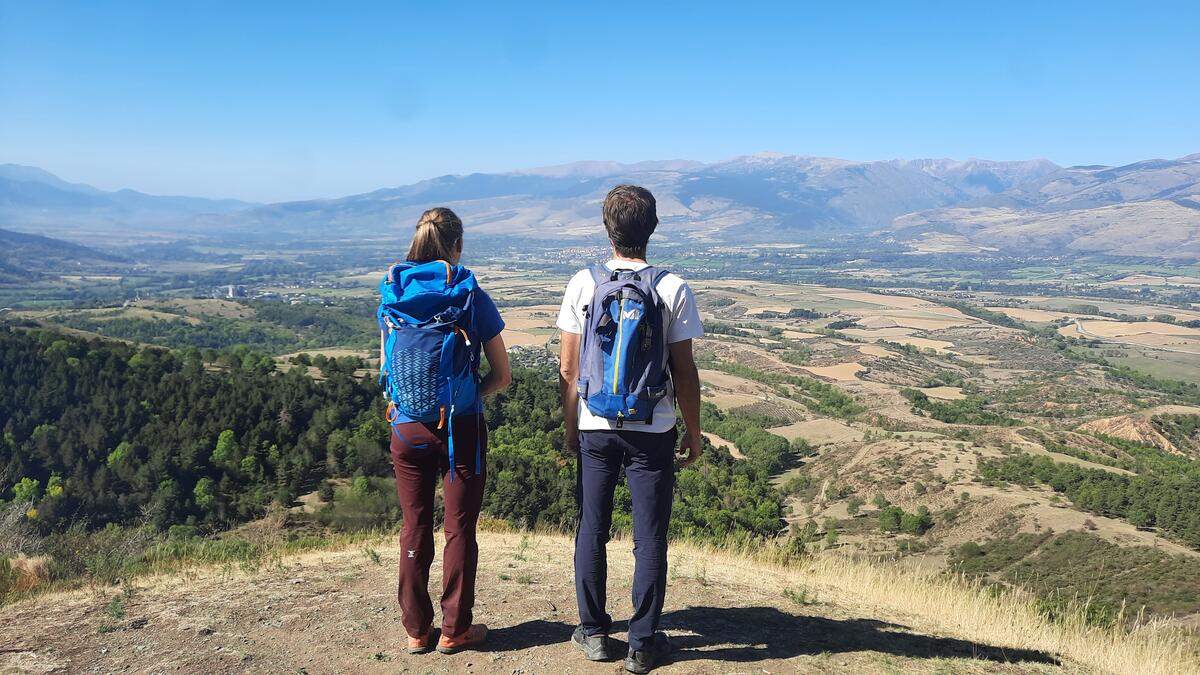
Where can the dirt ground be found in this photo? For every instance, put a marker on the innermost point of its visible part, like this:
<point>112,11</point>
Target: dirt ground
<point>335,612</point>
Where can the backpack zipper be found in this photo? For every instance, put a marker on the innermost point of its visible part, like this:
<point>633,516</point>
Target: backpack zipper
<point>620,339</point>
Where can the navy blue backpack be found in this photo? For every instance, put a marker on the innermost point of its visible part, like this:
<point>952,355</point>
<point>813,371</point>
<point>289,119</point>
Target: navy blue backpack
<point>623,358</point>
<point>430,360</point>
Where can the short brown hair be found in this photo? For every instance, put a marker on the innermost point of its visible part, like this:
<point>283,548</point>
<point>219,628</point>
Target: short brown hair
<point>439,236</point>
<point>630,216</point>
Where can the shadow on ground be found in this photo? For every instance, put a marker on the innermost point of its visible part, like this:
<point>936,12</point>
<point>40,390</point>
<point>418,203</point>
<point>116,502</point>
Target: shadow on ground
<point>535,633</point>
<point>748,634</point>
<point>742,634</point>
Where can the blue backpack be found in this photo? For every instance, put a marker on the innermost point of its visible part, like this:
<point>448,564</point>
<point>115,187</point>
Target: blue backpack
<point>623,358</point>
<point>430,359</point>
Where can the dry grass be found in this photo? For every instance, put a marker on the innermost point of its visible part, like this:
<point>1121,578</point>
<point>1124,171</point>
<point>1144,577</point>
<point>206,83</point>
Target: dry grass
<point>29,573</point>
<point>17,537</point>
<point>267,531</point>
<point>955,606</point>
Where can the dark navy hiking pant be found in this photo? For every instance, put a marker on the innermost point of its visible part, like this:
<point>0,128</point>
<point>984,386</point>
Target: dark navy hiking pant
<point>649,462</point>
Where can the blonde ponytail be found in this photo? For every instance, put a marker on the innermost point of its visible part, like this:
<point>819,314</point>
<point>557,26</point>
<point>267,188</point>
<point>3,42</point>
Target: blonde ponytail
<point>439,236</point>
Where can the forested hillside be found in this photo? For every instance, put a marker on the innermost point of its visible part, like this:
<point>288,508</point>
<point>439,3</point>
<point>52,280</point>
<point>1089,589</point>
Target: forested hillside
<point>103,432</point>
<point>100,431</point>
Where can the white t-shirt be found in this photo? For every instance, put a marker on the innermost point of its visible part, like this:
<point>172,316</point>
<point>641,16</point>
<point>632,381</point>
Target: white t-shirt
<point>683,323</point>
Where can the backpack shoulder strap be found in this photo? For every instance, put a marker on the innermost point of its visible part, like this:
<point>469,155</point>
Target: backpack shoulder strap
<point>600,274</point>
<point>659,275</point>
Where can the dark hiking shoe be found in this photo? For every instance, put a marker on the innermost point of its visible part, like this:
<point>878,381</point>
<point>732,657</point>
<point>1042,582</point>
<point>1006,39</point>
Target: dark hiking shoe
<point>644,660</point>
<point>594,647</point>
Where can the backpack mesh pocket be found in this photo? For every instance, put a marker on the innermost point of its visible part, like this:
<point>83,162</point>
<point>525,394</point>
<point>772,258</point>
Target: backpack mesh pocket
<point>416,385</point>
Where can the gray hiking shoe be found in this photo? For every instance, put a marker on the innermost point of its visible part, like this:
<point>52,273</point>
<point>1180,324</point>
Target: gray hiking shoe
<point>642,661</point>
<point>594,647</point>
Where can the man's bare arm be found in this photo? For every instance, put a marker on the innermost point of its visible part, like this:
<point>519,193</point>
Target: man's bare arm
<point>568,387</point>
<point>686,380</point>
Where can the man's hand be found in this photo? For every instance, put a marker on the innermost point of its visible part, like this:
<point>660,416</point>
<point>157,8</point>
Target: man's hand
<point>571,442</point>
<point>689,450</point>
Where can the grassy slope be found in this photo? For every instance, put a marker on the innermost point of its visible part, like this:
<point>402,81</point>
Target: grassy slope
<point>334,610</point>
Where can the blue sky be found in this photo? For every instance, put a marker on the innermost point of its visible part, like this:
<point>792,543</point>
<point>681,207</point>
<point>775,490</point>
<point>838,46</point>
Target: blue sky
<point>294,100</point>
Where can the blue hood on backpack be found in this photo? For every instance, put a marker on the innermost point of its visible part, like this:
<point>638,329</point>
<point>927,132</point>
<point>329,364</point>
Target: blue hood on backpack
<point>418,292</point>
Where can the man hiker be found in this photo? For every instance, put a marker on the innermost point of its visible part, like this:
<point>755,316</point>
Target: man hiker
<point>625,360</point>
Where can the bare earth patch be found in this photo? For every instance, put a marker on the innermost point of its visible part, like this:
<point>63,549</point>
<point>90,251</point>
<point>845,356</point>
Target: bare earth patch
<point>875,350</point>
<point>819,431</point>
<point>843,372</point>
<point>513,338</point>
<point>945,393</point>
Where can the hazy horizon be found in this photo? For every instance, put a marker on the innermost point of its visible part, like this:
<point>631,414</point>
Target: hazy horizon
<point>548,167</point>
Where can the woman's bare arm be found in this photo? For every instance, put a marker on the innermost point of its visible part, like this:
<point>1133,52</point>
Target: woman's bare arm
<point>500,374</point>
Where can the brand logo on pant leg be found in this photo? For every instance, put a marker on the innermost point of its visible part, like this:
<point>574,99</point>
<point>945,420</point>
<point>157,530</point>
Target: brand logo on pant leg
<point>412,554</point>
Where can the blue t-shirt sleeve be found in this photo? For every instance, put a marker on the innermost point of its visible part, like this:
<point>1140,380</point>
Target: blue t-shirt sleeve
<point>488,323</point>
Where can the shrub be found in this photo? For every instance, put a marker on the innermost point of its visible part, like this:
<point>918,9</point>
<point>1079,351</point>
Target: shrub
<point>369,503</point>
<point>896,519</point>
<point>889,518</point>
<point>326,491</point>
<point>916,523</point>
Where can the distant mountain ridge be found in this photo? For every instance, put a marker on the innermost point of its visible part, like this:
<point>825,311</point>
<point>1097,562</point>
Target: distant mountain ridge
<point>1015,206</point>
<point>767,195</point>
<point>29,195</point>
<point>1149,208</point>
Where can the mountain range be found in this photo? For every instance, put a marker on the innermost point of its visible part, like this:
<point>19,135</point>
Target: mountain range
<point>1149,208</point>
<point>33,195</point>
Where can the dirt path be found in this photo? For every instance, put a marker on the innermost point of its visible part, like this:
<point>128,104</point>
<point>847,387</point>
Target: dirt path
<point>718,442</point>
<point>334,612</point>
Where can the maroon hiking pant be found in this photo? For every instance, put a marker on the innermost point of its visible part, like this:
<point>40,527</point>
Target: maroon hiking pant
<point>421,458</point>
